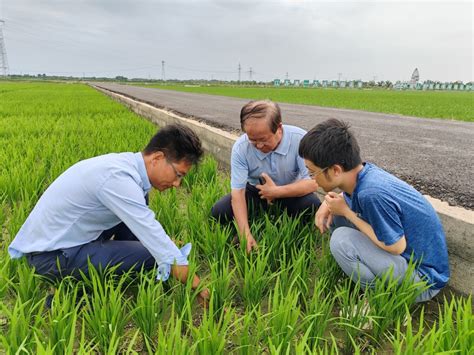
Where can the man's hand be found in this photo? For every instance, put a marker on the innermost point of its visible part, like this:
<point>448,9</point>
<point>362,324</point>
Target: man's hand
<point>251,243</point>
<point>269,190</point>
<point>323,218</point>
<point>203,298</point>
<point>336,204</point>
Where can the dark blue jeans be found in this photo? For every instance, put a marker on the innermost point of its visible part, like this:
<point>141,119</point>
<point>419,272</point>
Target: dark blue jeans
<point>124,250</point>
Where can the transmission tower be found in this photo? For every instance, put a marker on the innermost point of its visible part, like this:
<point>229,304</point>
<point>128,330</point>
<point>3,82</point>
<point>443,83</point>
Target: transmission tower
<point>3,52</point>
<point>163,70</point>
<point>240,68</point>
<point>250,73</point>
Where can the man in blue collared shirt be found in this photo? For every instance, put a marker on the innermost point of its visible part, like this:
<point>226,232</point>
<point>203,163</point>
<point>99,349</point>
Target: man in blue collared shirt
<point>104,197</point>
<point>266,169</point>
<point>379,222</point>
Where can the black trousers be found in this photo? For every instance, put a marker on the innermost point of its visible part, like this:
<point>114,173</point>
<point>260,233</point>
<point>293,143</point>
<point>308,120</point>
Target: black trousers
<point>307,204</point>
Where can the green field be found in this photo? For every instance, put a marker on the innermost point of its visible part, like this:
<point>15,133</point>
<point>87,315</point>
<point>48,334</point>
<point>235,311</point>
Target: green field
<point>289,298</point>
<point>446,104</point>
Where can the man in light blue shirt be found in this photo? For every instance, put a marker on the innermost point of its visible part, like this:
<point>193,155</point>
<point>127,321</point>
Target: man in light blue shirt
<point>104,197</point>
<point>266,169</point>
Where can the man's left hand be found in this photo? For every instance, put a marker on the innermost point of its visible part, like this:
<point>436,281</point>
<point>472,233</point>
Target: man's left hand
<point>269,190</point>
<point>336,203</point>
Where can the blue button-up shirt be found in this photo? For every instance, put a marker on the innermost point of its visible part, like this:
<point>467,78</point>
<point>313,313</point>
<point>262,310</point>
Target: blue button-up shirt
<point>283,165</point>
<point>92,196</point>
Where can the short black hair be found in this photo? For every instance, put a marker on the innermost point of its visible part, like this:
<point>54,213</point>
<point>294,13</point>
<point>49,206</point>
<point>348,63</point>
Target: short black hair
<point>261,109</point>
<point>178,142</point>
<point>331,142</point>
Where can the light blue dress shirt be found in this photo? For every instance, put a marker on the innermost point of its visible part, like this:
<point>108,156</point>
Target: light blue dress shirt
<point>283,165</point>
<point>92,196</point>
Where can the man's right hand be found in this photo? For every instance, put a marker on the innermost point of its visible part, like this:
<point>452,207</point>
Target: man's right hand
<point>203,298</point>
<point>251,244</point>
<point>323,218</point>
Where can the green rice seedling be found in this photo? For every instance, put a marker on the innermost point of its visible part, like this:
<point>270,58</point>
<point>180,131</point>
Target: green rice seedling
<point>170,216</point>
<point>27,283</point>
<point>22,320</point>
<point>295,271</point>
<point>183,297</point>
<point>62,318</point>
<point>354,315</point>
<point>284,319</point>
<point>327,266</point>
<point>221,286</point>
<point>254,273</point>
<point>6,273</point>
<point>42,347</point>
<point>171,338</point>
<point>204,174</point>
<point>452,333</point>
<point>252,331</point>
<point>105,312</point>
<point>211,336</point>
<point>149,306</point>
<point>211,239</point>
<point>282,234</point>
<point>318,310</point>
<point>389,296</point>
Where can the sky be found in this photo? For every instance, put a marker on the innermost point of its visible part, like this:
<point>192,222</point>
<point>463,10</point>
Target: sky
<point>323,40</point>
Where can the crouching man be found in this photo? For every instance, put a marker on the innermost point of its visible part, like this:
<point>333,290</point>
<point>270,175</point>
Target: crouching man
<point>378,221</point>
<point>104,197</point>
<point>266,169</point>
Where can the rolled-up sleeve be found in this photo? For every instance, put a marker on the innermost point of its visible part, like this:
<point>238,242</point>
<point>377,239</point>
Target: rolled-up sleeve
<point>124,197</point>
<point>238,168</point>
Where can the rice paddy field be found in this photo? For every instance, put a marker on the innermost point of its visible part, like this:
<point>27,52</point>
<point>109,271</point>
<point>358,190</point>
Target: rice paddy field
<point>289,298</point>
<point>452,105</point>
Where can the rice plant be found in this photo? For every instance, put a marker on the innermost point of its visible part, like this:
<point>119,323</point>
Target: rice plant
<point>452,333</point>
<point>105,312</point>
<point>211,336</point>
<point>289,297</point>
<point>149,306</point>
<point>222,287</point>
<point>284,319</point>
<point>318,311</point>
<point>254,273</point>
<point>62,318</point>
<point>172,338</point>
<point>22,319</point>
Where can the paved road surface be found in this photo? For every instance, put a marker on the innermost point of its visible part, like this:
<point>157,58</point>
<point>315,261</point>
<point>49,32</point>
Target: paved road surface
<point>436,156</point>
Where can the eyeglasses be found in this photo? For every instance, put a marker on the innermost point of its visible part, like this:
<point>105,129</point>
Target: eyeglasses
<point>313,175</point>
<point>179,176</point>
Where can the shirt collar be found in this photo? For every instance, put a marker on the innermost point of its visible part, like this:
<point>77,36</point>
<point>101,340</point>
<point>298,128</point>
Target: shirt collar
<point>360,176</point>
<point>142,172</point>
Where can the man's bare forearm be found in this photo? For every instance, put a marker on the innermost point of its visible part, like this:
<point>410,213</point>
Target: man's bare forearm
<point>239,207</point>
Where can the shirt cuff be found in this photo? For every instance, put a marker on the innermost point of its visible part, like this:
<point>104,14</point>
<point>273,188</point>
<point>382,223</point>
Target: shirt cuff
<point>164,269</point>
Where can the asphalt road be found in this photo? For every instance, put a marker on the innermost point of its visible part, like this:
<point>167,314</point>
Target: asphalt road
<point>436,156</point>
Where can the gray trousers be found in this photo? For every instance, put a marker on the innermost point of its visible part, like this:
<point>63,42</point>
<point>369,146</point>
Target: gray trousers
<point>360,258</point>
